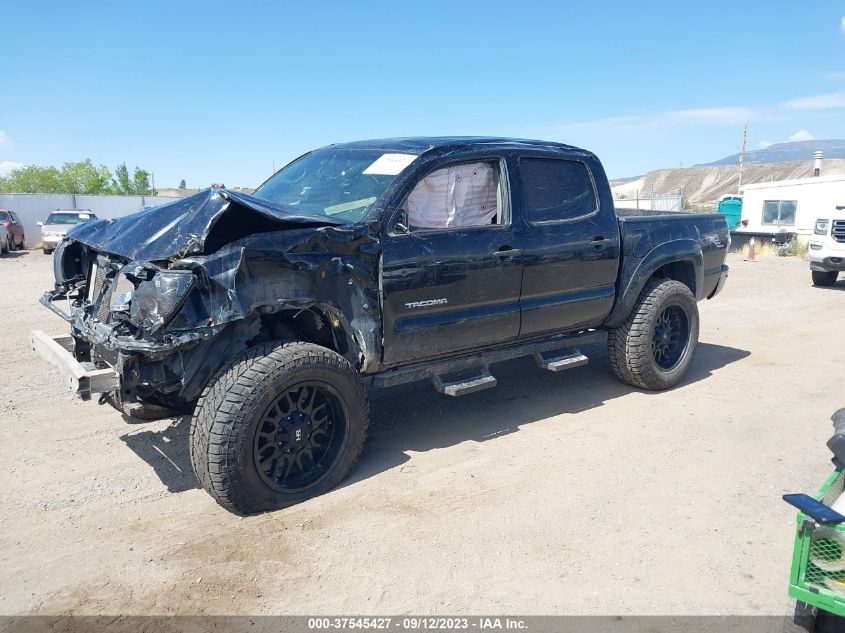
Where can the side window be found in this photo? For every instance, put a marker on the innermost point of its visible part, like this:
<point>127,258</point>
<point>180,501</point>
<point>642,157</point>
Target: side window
<point>556,189</point>
<point>462,195</point>
<point>779,212</point>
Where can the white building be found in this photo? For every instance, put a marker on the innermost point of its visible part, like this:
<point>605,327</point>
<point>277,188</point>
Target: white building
<point>789,206</point>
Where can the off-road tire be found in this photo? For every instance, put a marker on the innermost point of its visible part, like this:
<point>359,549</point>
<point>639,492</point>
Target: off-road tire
<point>824,278</point>
<point>630,346</point>
<point>227,415</point>
<point>5,248</point>
<point>47,251</point>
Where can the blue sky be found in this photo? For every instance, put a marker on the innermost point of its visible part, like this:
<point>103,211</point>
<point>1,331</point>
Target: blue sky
<point>219,92</point>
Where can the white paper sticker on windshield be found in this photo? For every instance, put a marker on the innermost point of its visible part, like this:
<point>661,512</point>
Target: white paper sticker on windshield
<point>390,164</point>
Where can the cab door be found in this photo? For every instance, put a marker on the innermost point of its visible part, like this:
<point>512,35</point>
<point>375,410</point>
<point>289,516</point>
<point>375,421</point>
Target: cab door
<point>571,245</point>
<point>450,289</point>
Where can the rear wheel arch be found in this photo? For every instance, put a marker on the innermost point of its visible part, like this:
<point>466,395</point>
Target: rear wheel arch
<point>681,270</point>
<point>680,260</point>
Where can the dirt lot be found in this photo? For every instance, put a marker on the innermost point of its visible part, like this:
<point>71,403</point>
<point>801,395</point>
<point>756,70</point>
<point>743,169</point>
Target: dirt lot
<point>552,494</point>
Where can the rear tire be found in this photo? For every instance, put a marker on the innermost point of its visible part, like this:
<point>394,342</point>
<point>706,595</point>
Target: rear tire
<point>655,345</point>
<point>281,424</point>
<point>824,278</point>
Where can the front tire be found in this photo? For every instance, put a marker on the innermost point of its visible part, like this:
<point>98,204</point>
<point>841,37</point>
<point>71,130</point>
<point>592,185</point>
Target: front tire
<point>655,345</point>
<point>282,424</point>
<point>824,278</point>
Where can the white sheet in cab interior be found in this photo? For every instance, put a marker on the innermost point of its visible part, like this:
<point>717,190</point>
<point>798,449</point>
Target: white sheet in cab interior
<point>459,195</point>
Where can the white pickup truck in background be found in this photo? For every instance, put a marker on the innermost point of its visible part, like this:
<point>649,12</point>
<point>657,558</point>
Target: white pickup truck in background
<point>827,248</point>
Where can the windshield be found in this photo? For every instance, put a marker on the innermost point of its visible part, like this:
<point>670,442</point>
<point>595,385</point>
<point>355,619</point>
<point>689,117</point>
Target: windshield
<point>339,183</point>
<point>69,218</point>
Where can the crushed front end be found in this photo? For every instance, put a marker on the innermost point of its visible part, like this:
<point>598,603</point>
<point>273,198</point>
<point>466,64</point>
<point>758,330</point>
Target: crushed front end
<point>160,300</point>
<point>152,325</point>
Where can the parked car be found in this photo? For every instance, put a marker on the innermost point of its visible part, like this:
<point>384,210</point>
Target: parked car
<point>370,264</point>
<point>827,248</point>
<point>4,240</point>
<point>54,228</point>
<point>12,223</point>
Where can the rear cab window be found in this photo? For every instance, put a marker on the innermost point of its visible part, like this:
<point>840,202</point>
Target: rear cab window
<point>556,189</point>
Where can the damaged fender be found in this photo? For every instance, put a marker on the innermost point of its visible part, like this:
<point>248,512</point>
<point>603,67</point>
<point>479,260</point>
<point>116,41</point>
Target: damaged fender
<point>161,294</point>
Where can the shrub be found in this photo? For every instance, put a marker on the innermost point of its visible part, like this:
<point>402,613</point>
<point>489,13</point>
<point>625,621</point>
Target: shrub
<point>793,248</point>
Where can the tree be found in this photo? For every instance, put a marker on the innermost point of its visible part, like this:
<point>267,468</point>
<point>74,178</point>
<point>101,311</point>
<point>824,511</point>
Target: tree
<point>183,184</point>
<point>121,183</point>
<point>33,179</point>
<point>83,177</point>
<point>79,177</point>
<point>141,183</point>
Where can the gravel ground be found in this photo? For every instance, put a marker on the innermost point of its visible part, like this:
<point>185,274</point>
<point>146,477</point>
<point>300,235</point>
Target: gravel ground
<point>561,493</point>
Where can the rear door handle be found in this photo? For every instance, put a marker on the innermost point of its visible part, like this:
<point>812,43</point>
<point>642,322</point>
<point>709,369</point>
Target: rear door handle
<point>507,251</point>
<point>599,242</point>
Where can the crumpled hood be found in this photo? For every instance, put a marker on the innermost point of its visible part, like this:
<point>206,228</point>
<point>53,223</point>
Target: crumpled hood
<point>198,224</point>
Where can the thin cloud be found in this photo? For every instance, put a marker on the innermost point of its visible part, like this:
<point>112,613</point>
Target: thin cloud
<point>711,115</point>
<point>827,101</point>
<point>8,166</point>
<point>725,115</point>
<point>842,25</point>
<point>4,138</point>
<point>717,116</point>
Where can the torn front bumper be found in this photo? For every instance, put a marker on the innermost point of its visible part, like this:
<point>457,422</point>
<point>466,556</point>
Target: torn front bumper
<point>84,378</point>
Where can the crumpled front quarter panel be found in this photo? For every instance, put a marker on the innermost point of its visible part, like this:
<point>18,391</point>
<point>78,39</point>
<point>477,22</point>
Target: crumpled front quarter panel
<point>335,267</point>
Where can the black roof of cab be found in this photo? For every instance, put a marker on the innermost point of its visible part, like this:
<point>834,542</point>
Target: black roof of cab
<point>420,144</point>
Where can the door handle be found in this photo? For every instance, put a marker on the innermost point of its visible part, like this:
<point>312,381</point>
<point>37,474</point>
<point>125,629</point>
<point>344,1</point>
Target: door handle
<point>507,251</point>
<point>599,242</point>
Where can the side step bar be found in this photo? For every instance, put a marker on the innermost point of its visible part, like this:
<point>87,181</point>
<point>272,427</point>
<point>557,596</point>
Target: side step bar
<point>485,380</point>
<point>465,386</point>
<point>559,363</point>
<point>476,360</point>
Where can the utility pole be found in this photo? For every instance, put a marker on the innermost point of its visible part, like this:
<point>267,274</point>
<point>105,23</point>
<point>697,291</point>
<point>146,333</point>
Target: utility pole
<point>742,155</point>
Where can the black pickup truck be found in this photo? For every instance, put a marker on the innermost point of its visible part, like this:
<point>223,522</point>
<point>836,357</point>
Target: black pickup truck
<point>366,265</point>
